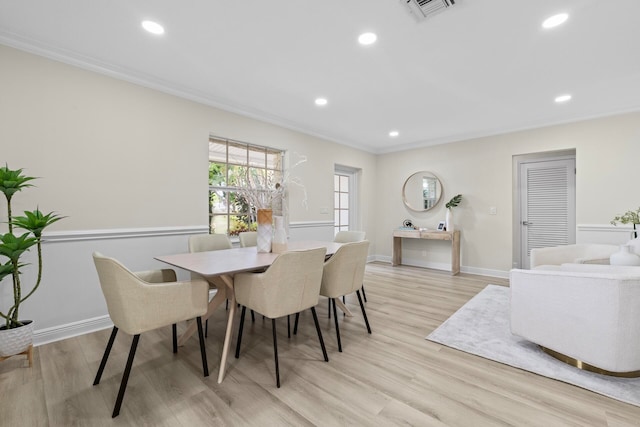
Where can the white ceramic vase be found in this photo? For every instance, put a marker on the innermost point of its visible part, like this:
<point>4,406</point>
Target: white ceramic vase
<point>265,217</point>
<point>15,341</point>
<point>635,246</point>
<point>279,243</point>
<point>624,257</point>
<point>448,220</point>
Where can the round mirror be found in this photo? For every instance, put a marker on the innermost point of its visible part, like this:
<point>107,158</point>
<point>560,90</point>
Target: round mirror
<point>421,191</point>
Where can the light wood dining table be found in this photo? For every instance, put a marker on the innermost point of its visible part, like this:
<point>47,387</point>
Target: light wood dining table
<point>225,264</point>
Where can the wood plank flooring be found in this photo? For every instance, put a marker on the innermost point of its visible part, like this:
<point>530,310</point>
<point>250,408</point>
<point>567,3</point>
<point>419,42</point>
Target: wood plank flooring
<point>392,377</point>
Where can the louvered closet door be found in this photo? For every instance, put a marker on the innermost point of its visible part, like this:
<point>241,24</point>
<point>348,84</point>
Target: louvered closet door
<point>547,205</point>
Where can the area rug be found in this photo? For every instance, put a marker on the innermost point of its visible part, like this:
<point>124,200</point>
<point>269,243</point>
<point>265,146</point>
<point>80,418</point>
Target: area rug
<point>481,327</point>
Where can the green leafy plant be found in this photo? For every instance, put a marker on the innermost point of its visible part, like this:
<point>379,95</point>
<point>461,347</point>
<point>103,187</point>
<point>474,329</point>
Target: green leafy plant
<point>455,201</point>
<point>629,217</point>
<point>13,246</point>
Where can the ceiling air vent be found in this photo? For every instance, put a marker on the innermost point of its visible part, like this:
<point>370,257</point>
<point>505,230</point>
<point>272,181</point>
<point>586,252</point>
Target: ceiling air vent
<point>423,8</point>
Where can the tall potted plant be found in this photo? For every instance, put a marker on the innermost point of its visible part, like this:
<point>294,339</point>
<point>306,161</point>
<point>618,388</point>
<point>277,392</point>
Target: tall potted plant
<point>16,335</point>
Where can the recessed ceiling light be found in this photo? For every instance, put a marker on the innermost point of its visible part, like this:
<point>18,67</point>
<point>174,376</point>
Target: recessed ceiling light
<point>562,98</point>
<point>153,27</point>
<point>321,101</point>
<point>394,133</point>
<point>555,20</point>
<point>367,38</point>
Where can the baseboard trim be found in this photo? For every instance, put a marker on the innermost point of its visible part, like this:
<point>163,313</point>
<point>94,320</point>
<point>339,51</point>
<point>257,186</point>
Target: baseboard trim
<point>70,330</point>
<point>445,267</point>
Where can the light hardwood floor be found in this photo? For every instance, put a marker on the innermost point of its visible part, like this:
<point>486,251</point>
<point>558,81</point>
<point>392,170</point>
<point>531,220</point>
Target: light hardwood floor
<point>392,377</point>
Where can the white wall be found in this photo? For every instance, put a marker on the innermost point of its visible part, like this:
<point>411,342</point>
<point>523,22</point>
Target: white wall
<point>113,155</point>
<point>607,150</point>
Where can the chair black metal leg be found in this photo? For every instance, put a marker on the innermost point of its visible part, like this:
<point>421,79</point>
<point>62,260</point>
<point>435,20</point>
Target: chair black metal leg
<point>105,356</point>
<point>335,318</point>
<point>253,317</point>
<point>244,310</point>
<point>275,351</point>
<point>203,351</point>
<point>206,328</point>
<point>364,295</point>
<point>174,333</point>
<point>295,324</point>
<point>364,313</point>
<point>125,376</point>
<point>315,320</point>
<point>288,326</point>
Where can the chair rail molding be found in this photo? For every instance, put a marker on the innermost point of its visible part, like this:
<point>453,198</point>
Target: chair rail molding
<point>118,233</point>
<point>311,230</point>
<point>603,233</point>
<point>69,301</point>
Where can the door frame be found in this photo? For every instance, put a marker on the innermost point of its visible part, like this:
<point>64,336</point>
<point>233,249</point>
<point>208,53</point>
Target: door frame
<point>517,160</point>
<point>354,208</point>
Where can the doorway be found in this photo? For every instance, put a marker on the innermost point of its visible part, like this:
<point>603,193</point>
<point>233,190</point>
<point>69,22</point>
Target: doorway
<point>544,203</point>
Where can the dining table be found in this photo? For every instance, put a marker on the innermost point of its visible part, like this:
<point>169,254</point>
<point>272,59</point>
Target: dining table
<point>224,264</point>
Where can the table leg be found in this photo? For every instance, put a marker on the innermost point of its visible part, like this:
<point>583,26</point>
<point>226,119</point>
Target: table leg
<point>455,253</point>
<point>218,299</point>
<point>229,333</point>
<point>396,256</point>
<point>343,307</point>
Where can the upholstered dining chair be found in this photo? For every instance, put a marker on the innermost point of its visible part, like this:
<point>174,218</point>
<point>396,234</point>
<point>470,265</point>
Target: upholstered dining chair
<point>207,243</point>
<point>343,274</point>
<point>140,302</point>
<point>348,236</point>
<point>248,238</point>
<point>290,285</point>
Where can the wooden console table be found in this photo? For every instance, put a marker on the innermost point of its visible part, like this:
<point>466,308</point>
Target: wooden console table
<point>453,236</point>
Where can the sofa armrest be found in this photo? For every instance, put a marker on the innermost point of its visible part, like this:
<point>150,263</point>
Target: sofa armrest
<point>569,310</point>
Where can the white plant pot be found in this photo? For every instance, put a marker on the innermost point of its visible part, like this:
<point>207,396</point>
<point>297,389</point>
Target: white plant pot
<point>624,257</point>
<point>448,220</point>
<point>15,341</point>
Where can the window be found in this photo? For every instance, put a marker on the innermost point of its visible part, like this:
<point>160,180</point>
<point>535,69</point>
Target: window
<point>231,165</point>
<point>345,203</point>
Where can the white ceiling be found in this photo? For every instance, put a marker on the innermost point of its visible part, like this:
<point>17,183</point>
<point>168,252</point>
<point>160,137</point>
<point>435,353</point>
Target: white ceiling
<point>478,68</point>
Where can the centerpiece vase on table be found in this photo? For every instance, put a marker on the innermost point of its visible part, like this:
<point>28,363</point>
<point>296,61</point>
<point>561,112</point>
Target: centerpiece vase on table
<point>279,243</point>
<point>265,219</point>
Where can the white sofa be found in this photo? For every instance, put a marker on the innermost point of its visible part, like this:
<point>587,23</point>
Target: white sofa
<point>588,312</point>
<point>589,253</point>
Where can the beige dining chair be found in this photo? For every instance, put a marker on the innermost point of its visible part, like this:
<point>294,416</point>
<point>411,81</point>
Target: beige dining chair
<point>343,274</point>
<point>207,243</point>
<point>290,285</point>
<point>248,238</point>
<point>140,302</point>
<point>348,236</point>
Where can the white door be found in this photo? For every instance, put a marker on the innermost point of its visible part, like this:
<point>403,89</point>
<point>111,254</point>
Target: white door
<point>547,205</point>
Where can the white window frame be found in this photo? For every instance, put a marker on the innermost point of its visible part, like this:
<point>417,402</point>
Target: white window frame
<point>227,188</point>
